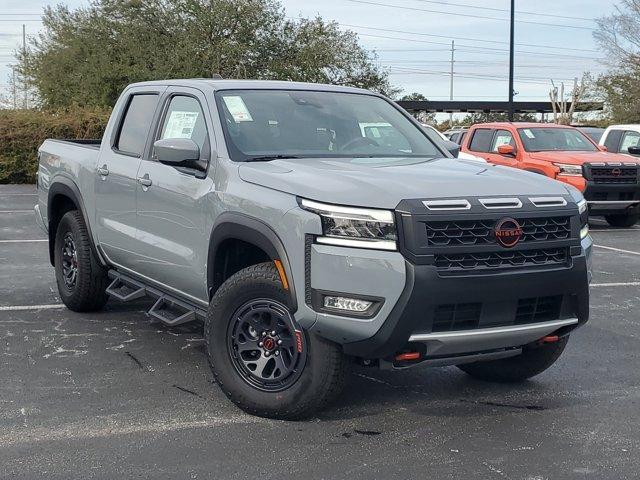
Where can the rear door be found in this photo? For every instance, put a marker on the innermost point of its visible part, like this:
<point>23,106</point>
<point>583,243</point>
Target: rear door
<point>480,142</point>
<point>502,137</point>
<point>172,201</point>
<point>115,176</point>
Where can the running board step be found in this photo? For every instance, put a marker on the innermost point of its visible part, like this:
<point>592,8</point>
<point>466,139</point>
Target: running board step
<point>171,312</point>
<point>126,290</point>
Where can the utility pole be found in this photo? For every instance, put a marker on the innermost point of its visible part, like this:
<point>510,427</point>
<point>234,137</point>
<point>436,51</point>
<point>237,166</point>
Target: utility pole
<point>453,49</point>
<point>24,54</point>
<point>511,107</point>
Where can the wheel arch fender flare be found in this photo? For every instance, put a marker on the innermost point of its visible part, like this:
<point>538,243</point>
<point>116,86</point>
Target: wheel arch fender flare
<point>67,188</point>
<point>238,226</point>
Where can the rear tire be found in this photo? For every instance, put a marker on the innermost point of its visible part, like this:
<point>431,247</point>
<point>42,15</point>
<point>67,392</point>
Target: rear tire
<point>306,374</point>
<point>531,362</point>
<point>81,280</point>
<point>622,221</point>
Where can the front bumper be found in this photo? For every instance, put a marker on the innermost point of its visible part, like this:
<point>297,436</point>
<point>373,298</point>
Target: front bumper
<point>608,194</point>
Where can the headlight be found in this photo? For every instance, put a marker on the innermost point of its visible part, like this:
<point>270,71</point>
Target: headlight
<point>354,227</point>
<point>572,170</point>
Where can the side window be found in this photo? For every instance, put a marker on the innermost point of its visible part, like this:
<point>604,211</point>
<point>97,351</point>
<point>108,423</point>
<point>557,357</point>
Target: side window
<point>630,139</point>
<point>613,140</point>
<point>137,121</point>
<point>184,119</point>
<point>502,137</point>
<point>481,140</point>
<point>462,137</point>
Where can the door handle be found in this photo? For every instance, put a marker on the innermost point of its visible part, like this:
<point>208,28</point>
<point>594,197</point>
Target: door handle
<point>103,171</point>
<point>145,181</point>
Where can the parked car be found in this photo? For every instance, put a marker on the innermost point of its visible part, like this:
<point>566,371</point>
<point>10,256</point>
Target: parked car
<point>462,155</point>
<point>610,182</point>
<point>457,134</point>
<point>594,133</point>
<point>265,210</point>
<point>622,139</point>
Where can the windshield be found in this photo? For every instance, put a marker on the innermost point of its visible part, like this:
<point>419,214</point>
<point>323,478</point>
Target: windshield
<point>541,139</point>
<point>266,124</point>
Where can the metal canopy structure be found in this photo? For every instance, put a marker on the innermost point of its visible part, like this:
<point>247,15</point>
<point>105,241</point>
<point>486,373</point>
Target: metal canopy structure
<point>489,107</point>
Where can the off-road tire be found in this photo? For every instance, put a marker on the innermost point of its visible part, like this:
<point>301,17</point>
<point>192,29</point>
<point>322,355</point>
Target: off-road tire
<point>89,290</point>
<point>622,221</point>
<point>321,379</point>
<point>531,362</point>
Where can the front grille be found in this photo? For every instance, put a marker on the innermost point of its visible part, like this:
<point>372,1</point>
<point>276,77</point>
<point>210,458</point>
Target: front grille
<point>459,262</point>
<point>481,232</point>
<point>614,175</point>
<point>456,316</point>
<point>538,309</point>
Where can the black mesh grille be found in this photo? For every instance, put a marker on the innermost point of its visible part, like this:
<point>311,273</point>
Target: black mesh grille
<point>538,309</point>
<point>614,174</point>
<point>460,316</point>
<point>481,232</point>
<point>500,260</point>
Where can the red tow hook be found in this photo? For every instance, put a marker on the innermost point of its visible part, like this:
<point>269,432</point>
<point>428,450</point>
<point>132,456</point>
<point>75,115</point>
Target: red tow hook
<point>407,357</point>
<point>549,339</point>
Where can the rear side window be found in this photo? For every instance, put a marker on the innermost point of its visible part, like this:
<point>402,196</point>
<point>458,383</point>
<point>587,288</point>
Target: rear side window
<point>136,123</point>
<point>481,140</point>
<point>613,140</point>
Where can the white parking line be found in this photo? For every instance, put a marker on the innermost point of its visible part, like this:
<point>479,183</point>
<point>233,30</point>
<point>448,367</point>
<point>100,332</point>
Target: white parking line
<point>16,211</point>
<point>18,308</point>
<point>617,250</point>
<point>616,284</point>
<point>25,241</point>
<point>18,194</point>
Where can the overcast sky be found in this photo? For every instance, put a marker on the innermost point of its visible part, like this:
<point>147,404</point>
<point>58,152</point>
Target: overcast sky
<point>412,39</point>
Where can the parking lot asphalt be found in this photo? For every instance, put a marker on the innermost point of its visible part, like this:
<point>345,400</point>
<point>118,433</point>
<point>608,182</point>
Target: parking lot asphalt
<point>115,395</point>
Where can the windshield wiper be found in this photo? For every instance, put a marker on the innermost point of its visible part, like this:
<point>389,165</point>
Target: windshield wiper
<point>268,158</point>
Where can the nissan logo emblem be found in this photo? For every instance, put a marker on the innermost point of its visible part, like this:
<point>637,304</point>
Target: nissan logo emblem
<point>508,232</point>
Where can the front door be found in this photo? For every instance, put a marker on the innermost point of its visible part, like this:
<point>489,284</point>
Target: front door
<point>172,206</point>
<point>502,137</point>
<point>115,175</point>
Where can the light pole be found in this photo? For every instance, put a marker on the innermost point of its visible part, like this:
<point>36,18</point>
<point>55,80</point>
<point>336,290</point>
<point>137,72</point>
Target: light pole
<point>511,108</point>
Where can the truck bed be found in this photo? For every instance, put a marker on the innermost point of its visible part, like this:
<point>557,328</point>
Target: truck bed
<point>81,142</point>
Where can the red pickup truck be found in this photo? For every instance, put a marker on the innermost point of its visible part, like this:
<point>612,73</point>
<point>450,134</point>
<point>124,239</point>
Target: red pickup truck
<point>610,182</point>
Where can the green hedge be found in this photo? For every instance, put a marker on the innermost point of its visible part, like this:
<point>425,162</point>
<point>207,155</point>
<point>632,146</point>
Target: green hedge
<point>23,131</point>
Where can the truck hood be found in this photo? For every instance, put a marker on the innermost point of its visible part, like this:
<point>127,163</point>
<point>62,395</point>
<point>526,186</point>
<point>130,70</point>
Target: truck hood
<point>580,158</point>
<point>383,183</point>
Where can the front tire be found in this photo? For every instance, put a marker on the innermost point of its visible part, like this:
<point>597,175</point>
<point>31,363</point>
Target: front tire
<point>263,361</point>
<point>82,281</point>
<point>531,362</point>
<point>622,221</point>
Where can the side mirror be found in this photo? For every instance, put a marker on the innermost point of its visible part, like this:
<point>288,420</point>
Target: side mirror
<point>176,151</point>
<point>602,148</point>
<point>507,150</point>
<point>634,150</point>
<point>452,147</point>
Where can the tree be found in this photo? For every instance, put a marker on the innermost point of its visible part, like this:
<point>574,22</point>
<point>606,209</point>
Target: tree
<point>618,35</point>
<point>563,113</point>
<point>87,55</point>
<point>422,117</point>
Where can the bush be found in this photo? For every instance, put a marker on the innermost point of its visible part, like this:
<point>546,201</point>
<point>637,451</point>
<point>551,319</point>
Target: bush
<point>23,131</point>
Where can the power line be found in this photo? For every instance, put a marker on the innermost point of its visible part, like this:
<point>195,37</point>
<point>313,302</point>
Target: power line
<point>466,5</point>
<point>491,49</point>
<point>469,15</point>
<point>467,38</point>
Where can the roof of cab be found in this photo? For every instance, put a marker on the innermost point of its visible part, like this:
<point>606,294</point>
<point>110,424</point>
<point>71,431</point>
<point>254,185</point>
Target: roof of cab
<point>520,125</point>
<point>231,84</point>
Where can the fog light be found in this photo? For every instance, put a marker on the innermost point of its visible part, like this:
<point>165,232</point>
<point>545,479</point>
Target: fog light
<point>584,232</point>
<point>347,304</point>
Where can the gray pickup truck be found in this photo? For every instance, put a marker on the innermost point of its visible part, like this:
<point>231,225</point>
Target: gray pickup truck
<point>310,226</point>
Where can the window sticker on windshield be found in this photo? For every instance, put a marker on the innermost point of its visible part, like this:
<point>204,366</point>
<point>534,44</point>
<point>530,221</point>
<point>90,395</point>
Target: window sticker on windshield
<point>529,133</point>
<point>180,124</point>
<point>238,109</point>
